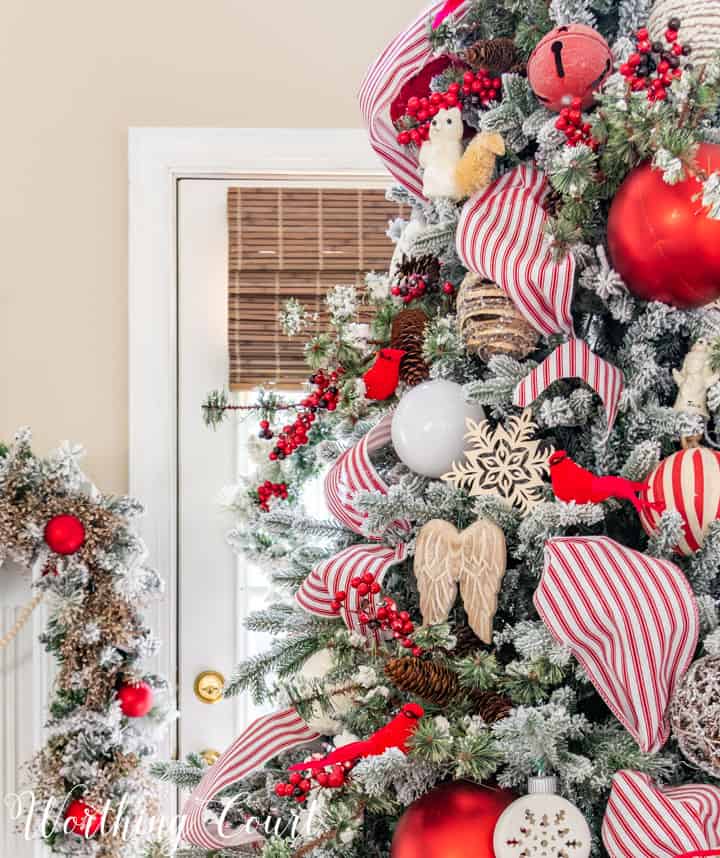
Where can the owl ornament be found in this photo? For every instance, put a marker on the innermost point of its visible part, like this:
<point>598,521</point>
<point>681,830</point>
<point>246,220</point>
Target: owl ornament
<point>569,62</point>
<point>474,558</point>
<point>542,824</point>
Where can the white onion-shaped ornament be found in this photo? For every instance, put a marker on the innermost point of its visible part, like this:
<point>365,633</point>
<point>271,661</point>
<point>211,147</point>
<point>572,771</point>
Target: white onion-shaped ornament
<point>429,426</point>
<point>687,482</point>
<point>321,719</point>
<point>542,824</point>
<point>699,25</point>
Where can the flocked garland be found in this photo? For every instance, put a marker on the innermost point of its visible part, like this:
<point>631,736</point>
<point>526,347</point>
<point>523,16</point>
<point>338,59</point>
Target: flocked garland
<point>91,792</point>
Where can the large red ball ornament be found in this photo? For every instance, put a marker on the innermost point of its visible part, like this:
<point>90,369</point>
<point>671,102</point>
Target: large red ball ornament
<point>82,819</point>
<point>65,534</point>
<point>569,62</point>
<point>456,820</point>
<point>135,700</point>
<point>661,241</point>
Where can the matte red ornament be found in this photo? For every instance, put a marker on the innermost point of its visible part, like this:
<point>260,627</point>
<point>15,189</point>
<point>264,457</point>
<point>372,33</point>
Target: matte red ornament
<point>661,241</point>
<point>65,534</point>
<point>456,820</point>
<point>381,380</point>
<point>135,700</point>
<point>82,819</point>
<point>569,62</point>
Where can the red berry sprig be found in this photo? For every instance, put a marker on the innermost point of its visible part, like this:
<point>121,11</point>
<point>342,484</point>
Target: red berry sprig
<point>478,89</point>
<point>384,617</point>
<point>268,490</point>
<point>325,396</point>
<point>572,123</point>
<point>655,67</point>
<point>298,787</point>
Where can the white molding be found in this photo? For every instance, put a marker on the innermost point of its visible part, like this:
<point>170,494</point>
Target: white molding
<point>158,159</point>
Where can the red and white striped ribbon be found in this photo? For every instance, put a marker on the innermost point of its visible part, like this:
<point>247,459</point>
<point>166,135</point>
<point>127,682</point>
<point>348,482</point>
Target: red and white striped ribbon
<point>646,821</point>
<point>264,739</point>
<point>354,472</point>
<point>401,60</point>
<point>318,590</point>
<point>501,236</point>
<point>448,8</point>
<point>574,359</point>
<point>629,619</point>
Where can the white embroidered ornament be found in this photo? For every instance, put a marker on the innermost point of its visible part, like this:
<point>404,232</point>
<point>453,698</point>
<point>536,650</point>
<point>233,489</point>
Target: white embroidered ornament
<point>542,824</point>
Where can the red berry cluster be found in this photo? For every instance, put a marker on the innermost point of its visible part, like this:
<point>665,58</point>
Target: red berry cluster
<point>662,61</point>
<point>384,617</point>
<point>271,490</point>
<point>575,128</point>
<point>298,787</point>
<point>416,286</point>
<point>325,396</point>
<point>478,89</point>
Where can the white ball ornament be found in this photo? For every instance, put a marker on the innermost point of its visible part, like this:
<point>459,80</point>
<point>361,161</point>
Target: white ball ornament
<point>316,668</point>
<point>428,426</point>
<point>542,824</point>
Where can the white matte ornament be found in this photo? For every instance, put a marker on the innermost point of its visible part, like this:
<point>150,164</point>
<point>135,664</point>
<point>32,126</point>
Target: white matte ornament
<point>316,668</point>
<point>429,425</point>
<point>542,824</point>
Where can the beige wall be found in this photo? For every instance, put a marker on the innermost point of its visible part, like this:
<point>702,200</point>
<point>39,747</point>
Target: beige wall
<point>73,77</point>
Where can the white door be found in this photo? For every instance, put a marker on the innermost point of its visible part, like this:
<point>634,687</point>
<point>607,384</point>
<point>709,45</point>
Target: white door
<point>24,681</point>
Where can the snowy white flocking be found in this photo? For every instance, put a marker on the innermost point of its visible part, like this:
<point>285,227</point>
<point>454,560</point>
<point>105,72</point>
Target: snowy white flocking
<point>542,824</point>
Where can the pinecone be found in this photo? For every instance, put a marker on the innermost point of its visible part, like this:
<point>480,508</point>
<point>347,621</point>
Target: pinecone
<point>496,55</point>
<point>408,332</point>
<point>427,679</point>
<point>491,706</point>
<point>467,642</point>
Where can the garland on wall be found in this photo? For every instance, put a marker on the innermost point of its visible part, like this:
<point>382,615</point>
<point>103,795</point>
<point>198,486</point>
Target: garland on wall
<point>92,795</point>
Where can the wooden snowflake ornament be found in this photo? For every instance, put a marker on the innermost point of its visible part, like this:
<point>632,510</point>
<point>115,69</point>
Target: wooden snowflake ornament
<point>507,461</point>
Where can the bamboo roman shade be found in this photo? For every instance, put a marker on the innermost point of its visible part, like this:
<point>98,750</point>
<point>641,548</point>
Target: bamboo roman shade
<point>294,243</point>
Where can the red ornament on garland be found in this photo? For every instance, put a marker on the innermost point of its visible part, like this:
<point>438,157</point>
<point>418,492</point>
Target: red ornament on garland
<point>662,243</point>
<point>569,62</point>
<point>65,534</point>
<point>136,700</point>
<point>381,380</point>
<point>82,819</point>
<point>456,820</point>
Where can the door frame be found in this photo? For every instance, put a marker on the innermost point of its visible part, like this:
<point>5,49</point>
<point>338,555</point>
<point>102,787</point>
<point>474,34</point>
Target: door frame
<point>158,159</point>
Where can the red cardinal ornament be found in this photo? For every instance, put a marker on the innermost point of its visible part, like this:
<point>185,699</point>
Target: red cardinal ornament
<point>570,482</point>
<point>395,734</point>
<point>381,380</point>
<point>82,819</point>
<point>135,700</point>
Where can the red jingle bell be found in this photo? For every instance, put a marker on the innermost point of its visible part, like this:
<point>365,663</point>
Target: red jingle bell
<point>661,241</point>
<point>135,700</point>
<point>65,534</point>
<point>569,62</point>
<point>82,819</point>
<point>455,820</point>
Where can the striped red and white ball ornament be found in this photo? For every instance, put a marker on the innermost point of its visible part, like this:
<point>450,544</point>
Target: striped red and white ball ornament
<point>689,483</point>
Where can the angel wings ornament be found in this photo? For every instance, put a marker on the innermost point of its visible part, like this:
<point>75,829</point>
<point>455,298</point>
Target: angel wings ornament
<point>474,558</point>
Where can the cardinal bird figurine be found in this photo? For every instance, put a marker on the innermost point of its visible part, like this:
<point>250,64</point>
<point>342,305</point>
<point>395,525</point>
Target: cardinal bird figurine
<point>447,9</point>
<point>395,734</point>
<point>570,482</point>
<point>381,380</point>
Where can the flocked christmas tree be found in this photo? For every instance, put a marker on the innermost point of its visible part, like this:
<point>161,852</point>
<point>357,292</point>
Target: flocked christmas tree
<point>536,590</point>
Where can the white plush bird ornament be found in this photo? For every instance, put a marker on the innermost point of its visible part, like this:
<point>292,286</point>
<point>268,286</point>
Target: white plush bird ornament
<point>451,171</point>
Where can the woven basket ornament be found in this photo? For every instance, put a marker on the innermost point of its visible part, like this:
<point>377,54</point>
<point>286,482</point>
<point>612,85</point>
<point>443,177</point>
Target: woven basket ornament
<point>699,25</point>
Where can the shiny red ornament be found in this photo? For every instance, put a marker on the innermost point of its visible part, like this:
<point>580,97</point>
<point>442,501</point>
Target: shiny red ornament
<point>661,241</point>
<point>65,534</point>
<point>82,819</point>
<point>135,700</point>
<point>382,378</point>
<point>569,62</point>
<point>456,820</point>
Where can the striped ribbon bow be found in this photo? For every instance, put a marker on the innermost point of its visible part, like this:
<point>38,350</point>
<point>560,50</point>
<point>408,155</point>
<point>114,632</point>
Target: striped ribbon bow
<point>403,58</point>
<point>629,619</point>
<point>353,472</point>
<point>646,821</point>
<point>264,739</point>
<point>501,236</point>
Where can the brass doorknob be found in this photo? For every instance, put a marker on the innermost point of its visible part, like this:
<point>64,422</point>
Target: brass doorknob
<point>210,756</point>
<point>209,686</point>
